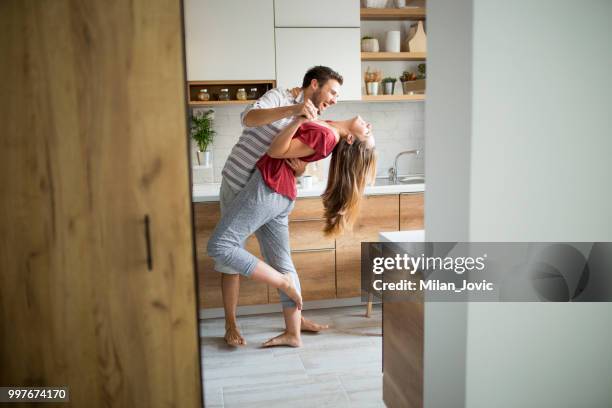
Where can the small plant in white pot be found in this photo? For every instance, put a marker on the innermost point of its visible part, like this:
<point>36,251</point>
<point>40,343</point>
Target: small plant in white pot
<point>372,79</point>
<point>369,44</point>
<point>203,134</point>
<point>389,85</point>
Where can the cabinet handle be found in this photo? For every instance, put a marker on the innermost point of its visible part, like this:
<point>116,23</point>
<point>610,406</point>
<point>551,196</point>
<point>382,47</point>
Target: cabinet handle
<point>147,223</point>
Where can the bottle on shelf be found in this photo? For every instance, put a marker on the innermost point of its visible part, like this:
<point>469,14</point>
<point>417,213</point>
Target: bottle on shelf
<point>224,94</point>
<point>203,95</point>
<point>241,95</point>
<point>252,93</point>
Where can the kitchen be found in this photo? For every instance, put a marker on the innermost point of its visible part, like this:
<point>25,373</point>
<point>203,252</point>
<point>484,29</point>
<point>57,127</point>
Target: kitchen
<point>105,291</point>
<point>271,35</point>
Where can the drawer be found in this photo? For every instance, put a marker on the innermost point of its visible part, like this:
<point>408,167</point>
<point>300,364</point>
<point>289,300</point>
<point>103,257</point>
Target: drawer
<point>307,209</point>
<point>306,235</point>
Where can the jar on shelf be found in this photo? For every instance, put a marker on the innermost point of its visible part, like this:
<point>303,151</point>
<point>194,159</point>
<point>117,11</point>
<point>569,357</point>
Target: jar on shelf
<point>252,93</point>
<point>224,94</point>
<point>203,95</point>
<point>241,95</point>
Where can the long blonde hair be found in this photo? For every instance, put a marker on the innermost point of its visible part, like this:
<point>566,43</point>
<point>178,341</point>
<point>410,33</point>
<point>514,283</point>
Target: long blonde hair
<point>352,167</point>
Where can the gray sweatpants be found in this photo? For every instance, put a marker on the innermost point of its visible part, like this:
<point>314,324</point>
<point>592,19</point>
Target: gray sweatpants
<point>260,210</point>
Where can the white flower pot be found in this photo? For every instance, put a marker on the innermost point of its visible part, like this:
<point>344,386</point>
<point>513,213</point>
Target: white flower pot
<point>370,45</point>
<point>372,88</point>
<point>204,158</point>
<point>388,88</point>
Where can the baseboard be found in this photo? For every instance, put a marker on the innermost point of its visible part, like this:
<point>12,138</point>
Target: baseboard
<point>275,307</point>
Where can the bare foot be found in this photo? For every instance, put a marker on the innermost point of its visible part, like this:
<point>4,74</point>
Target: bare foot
<point>284,339</point>
<point>233,337</point>
<point>310,326</point>
<point>291,291</point>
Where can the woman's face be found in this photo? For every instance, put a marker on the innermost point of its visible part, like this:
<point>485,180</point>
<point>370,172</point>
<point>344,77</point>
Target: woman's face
<point>362,130</point>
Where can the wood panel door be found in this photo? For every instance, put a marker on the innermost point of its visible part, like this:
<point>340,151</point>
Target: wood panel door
<point>94,139</point>
<point>378,214</point>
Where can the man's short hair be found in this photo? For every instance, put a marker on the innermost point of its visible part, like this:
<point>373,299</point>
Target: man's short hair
<point>322,74</point>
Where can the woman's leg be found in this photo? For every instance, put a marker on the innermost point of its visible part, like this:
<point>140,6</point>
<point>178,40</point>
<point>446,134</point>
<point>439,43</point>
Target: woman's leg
<point>273,240</point>
<point>254,206</point>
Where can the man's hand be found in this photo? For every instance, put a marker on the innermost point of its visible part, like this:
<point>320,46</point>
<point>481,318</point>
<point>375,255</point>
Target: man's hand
<point>298,166</point>
<point>307,110</point>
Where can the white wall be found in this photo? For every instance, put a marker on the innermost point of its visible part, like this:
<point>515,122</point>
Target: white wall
<point>539,163</point>
<point>397,126</point>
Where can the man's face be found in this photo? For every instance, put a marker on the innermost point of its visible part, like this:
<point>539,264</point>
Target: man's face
<point>326,95</point>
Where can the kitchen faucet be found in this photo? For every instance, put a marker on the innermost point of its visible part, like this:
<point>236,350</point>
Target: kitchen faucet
<point>393,170</point>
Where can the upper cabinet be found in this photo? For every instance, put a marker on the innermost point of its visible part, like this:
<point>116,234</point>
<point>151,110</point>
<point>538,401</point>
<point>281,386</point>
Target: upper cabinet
<point>298,49</point>
<point>316,13</point>
<point>229,39</point>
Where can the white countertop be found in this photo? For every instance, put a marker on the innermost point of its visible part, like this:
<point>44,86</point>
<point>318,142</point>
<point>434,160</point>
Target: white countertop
<point>210,191</point>
<point>403,236</point>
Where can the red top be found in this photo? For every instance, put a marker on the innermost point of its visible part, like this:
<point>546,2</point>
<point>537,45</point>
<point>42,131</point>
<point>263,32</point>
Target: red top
<point>276,172</point>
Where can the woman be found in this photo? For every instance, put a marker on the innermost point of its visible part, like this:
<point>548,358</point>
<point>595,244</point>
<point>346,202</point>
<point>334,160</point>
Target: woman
<point>264,204</point>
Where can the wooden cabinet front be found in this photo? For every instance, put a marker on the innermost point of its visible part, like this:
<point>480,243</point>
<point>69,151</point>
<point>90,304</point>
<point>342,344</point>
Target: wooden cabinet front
<point>251,292</point>
<point>316,272</point>
<point>411,211</point>
<point>378,213</point>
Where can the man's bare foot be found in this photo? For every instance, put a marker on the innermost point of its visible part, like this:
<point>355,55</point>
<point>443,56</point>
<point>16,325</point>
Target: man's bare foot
<point>289,288</point>
<point>285,339</point>
<point>233,337</point>
<point>310,326</point>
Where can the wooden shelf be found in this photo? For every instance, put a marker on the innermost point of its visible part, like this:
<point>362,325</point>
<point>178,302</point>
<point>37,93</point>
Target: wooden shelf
<point>392,98</point>
<point>211,103</point>
<point>193,88</point>
<point>408,13</point>
<point>393,56</point>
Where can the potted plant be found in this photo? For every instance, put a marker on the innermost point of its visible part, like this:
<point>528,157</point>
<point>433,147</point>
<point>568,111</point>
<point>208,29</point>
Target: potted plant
<point>388,85</point>
<point>369,44</point>
<point>371,79</point>
<point>203,133</point>
<point>413,82</point>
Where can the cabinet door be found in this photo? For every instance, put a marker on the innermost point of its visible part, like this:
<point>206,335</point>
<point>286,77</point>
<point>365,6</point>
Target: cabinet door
<point>316,272</point>
<point>251,292</point>
<point>298,49</point>
<point>378,214</point>
<point>229,39</point>
<point>95,143</point>
<point>316,13</point>
<point>411,211</point>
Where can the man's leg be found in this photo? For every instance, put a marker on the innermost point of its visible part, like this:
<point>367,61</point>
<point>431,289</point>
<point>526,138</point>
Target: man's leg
<point>230,288</point>
<point>230,282</point>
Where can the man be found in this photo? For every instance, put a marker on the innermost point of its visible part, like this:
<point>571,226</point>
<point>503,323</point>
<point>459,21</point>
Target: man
<point>261,122</point>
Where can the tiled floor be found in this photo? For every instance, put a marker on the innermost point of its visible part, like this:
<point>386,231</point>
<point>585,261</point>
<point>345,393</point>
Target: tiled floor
<point>340,367</point>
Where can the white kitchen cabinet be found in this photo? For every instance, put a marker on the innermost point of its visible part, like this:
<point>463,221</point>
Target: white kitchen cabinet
<point>229,39</point>
<point>316,13</point>
<point>298,49</point>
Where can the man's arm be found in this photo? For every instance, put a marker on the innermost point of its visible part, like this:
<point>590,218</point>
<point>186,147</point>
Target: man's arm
<point>264,116</point>
<point>260,117</point>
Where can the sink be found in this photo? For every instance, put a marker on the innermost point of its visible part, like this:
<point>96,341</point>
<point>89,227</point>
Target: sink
<point>416,179</point>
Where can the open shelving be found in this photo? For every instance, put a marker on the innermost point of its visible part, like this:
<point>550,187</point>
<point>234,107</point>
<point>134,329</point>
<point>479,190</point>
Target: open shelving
<point>381,14</point>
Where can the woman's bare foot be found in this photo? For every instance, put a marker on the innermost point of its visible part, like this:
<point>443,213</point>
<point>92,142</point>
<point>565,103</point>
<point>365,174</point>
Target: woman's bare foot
<point>233,337</point>
<point>285,339</point>
<point>310,326</point>
<point>289,288</point>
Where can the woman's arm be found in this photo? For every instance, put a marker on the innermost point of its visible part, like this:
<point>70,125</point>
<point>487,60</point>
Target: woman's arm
<point>285,147</point>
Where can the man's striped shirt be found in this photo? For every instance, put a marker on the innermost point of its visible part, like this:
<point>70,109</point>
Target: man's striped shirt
<point>255,141</point>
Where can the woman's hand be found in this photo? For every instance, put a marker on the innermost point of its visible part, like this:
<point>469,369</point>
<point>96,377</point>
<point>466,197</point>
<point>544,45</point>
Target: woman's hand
<point>298,166</point>
<point>306,110</point>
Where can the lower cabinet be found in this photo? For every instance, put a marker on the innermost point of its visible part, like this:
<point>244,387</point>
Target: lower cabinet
<point>378,213</point>
<point>209,281</point>
<point>327,268</point>
<point>316,270</point>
